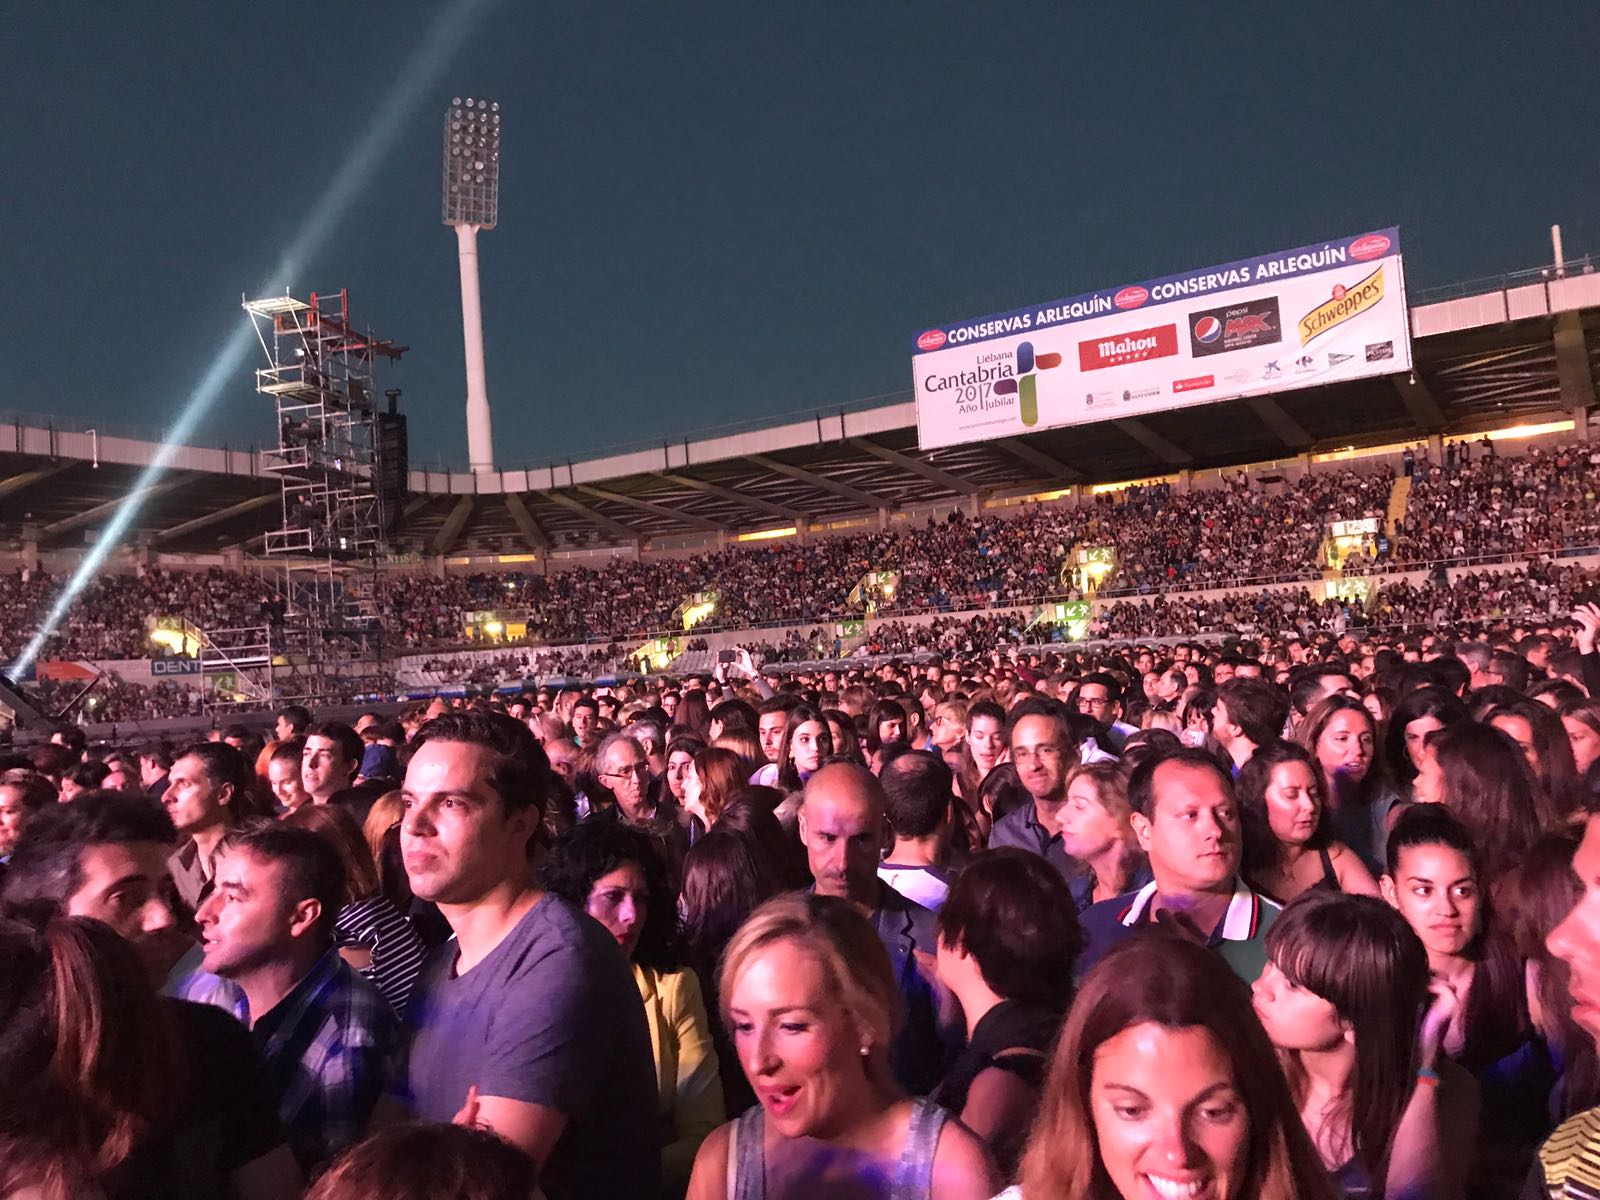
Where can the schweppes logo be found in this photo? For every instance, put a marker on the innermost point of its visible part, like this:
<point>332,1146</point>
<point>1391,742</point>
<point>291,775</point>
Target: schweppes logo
<point>1346,303</point>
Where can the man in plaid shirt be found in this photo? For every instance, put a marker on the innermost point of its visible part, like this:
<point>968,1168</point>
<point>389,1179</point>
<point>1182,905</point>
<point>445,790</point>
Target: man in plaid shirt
<point>326,1033</point>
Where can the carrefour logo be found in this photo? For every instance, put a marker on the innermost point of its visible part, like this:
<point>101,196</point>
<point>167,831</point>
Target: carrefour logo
<point>1027,392</point>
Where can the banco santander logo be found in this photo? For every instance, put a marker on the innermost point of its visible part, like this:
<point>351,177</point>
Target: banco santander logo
<point>1023,385</point>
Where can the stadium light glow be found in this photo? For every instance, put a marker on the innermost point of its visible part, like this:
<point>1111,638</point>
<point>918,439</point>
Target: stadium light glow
<point>436,47</point>
<point>1526,431</point>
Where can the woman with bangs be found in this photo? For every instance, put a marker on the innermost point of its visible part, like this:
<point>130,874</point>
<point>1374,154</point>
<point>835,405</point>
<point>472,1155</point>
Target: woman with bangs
<point>1423,710</point>
<point>713,778</point>
<point>983,750</point>
<point>1345,999</point>
<point>842,732</point>
<point>811,1000</point>
<point>886,725</point>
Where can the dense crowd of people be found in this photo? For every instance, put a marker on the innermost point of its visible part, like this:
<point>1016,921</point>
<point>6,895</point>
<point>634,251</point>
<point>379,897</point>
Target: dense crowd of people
<point>1542,502</point>
<point>1243,531</point>
<point>1302,913</point>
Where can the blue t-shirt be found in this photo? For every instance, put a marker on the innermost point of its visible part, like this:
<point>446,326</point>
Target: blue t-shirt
<point>551,1016</point>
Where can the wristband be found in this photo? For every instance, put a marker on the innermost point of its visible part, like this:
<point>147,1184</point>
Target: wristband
<point>1428,1076</point>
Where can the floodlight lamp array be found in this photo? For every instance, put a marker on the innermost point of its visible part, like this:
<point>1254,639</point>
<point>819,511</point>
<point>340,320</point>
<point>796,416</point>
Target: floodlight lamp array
<point>472,163</point>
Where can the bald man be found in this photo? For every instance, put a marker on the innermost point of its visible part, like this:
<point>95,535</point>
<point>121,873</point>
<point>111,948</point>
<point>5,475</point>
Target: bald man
<point>843,829</point>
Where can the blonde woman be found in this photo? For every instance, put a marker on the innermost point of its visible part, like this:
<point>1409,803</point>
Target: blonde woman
<point>810,999</point>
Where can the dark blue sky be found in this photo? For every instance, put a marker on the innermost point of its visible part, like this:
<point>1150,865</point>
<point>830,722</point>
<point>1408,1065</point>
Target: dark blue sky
<point>714,213</point>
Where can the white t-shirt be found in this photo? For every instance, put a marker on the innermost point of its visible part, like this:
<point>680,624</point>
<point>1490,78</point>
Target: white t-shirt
<point>928,886</point>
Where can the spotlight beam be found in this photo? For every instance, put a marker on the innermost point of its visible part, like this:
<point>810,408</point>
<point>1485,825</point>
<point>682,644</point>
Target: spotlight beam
<point>421,72</point>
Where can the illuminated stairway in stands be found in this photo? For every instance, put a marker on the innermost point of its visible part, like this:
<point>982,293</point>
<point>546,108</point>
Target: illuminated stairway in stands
<point>1399,497</point>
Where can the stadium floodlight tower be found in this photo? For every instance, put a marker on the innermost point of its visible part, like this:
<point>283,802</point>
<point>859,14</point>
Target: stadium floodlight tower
<point>471,203</point>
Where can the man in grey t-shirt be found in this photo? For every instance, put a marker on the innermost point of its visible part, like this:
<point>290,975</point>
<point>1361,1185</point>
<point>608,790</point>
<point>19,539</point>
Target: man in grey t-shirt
<point>528,1021</point>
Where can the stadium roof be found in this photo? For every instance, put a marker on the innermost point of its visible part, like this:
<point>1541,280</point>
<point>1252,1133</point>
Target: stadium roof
<point>1519,349</point>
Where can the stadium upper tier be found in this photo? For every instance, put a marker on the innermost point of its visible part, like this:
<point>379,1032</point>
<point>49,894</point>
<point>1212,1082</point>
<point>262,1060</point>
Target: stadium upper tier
<point>1520,349</point>
<point>1496,504</point>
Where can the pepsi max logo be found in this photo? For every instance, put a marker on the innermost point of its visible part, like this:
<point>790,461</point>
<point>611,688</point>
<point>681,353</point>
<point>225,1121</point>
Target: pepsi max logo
<point>1371,246</point>
<point>1131,296</point>
<point>931,340</point>
<point>1207,329</point>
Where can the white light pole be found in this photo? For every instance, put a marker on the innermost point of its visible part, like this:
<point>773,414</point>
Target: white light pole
<point>472,202</point>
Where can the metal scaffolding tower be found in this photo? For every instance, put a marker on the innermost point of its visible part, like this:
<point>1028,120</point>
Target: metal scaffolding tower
<point>319,374</point>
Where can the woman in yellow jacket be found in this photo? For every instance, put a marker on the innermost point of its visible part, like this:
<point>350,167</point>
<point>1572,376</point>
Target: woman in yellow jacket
<point>614,873</point>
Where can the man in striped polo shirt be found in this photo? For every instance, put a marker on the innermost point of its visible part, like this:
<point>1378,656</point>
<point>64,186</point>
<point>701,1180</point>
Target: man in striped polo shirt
<point>1187,821</point>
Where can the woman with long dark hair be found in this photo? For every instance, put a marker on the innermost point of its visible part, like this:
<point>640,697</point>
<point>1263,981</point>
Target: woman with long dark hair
<point>106,1089</point>
<point>1437,882</point>
<point>1342,737</point>
<point>1482,776</point>
<point>680,756</point>
<point>805,743</point>
<point>1538,731</point>
<point>751,814</point>
<point>842,730</point>
<point>1422,711</point>
<point>86,1049</point>
<point>1533,898</point>
<point>1581,720</point>
<point>1288,839</point>
<point>1163,1083</point>
<point>726,877</point>
<point>694,714</point>
<point>614,873</point>
<point>886,725</point>
<point>1343,997</point>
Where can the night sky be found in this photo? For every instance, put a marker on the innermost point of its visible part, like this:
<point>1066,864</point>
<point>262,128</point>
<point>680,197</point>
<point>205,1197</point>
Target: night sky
<point>722,213</point>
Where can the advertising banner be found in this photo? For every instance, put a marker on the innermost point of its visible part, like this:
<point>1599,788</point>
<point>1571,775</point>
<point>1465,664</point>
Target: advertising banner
<point>1299,318</point>
<point>174,666</point>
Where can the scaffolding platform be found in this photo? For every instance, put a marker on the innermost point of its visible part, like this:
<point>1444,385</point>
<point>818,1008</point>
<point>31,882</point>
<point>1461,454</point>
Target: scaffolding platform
<point>319,376</point>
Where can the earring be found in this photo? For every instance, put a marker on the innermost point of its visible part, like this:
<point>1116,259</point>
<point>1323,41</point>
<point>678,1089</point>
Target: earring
<point>866,1050</point>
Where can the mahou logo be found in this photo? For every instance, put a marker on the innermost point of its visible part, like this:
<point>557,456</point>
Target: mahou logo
<point>1138,345</point>
<point>931,340</point>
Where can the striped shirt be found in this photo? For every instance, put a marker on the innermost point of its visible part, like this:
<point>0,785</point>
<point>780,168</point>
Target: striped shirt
<point>397,951</point>
<point>1568,1164</point>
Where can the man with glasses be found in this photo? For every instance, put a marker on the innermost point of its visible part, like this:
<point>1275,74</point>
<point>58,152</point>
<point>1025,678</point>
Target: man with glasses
<point>948,727</point>
<point>624,775</point>
<point>1042,752</point>
<point>1100,697</point>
